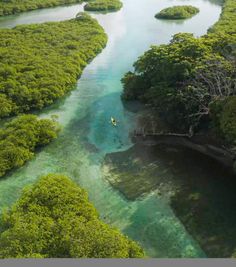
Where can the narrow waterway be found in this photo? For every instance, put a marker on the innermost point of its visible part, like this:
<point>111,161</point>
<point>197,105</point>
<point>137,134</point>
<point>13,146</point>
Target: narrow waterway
<point>87,136</point>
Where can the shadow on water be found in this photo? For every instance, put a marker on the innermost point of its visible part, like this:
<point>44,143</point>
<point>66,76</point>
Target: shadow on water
<point>200,191</point>
<point>205,203</point>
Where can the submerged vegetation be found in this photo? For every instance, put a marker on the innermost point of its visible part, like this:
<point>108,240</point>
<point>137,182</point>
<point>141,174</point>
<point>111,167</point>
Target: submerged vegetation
<point>8,7</point>
<point>103,5</point>
<point>20,138</point>
<point>191,82</point>
<point>54,219</point>
<point>177,12</point>
<point>40,63</point>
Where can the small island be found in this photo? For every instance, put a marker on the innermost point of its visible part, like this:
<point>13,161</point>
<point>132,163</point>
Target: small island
<point>103,5</point>
<point>177,12</point>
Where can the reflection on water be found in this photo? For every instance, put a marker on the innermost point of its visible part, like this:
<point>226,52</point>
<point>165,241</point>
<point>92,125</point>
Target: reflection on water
<point>87,135</point>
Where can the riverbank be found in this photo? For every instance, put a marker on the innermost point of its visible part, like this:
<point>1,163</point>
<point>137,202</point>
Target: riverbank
<point>151,131</point>
<point>198,143</point>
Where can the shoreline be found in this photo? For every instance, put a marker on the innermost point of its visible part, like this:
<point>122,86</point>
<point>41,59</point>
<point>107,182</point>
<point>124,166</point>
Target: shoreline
<point>220,154</point>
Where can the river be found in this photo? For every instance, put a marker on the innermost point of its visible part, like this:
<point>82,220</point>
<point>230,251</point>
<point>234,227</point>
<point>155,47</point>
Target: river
<point>87,136</point>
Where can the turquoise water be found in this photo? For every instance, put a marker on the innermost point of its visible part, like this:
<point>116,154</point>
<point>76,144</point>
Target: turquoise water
<point>87,136</point>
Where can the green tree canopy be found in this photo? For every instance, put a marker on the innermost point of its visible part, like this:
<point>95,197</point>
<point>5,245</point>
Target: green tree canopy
<point>54,219</point>
<point>103,5</point>
<point>20,138</point>
<point>8,7</point>
<point>177,12</point>
<point>40,63</point>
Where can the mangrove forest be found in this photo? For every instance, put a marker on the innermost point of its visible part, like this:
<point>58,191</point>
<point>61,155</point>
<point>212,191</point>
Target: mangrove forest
<point>117,129</point>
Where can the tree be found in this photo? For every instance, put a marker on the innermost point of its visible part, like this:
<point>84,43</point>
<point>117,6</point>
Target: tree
<point>182,79</point>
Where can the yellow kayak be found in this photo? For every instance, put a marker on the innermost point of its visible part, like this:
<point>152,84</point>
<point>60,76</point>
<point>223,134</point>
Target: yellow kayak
<point>113,121</point>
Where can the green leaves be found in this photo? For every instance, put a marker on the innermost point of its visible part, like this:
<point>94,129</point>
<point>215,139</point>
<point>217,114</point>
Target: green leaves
<point>227,22</point>
<point>42,62</point>
<point>16,6</point>
<point>103,5</point>
<point>177,12</point>
<point>223,114</point>
<point>20,137</point>
<point>7,106</point>
<point>55,219</point>
<point>161,75</point>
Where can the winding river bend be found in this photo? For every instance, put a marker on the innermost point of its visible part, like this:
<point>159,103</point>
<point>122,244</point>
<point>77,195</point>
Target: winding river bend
<point>87,136</point>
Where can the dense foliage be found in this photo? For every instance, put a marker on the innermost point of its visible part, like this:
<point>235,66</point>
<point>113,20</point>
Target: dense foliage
<point>183,79</point>
<point>40,63</point>
<point>103,5</point>
<point>54,219</point>
<point>227,21</point>
<point>8,7</point>
<point>224,118</point>
<point>177,12</point>
<point>20,137</point>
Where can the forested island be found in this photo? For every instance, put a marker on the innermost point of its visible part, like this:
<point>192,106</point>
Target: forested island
<point>8,7</point>
<point>103,5</point>
<point>177,12</point>
<point>54,219</point>
<point>190,83</point>
<point>41,63</point>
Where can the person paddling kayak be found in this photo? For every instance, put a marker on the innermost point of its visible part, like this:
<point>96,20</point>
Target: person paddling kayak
<point>113,121</point>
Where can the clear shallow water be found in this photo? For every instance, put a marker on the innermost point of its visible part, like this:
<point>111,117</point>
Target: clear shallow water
<point>87,134</point>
